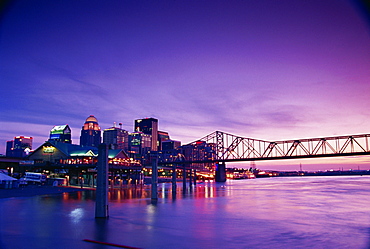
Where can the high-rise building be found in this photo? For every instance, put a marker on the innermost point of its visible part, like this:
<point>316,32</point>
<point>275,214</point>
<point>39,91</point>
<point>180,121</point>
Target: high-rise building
<point>9,148</point>
<point>116,138</point>
<point>90,133</point>
<point>21,146</point>
<point>139,144</point>
<point>162,136</point>
<point>61,133</point>
<point>170,145</point>
<point>148,126</point>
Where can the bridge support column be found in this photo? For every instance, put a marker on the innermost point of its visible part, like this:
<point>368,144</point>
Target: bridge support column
<point>191,180</point>
<point>101,203</point>
<point>174,186</point>
<point>195,177</point>
<point>184,178</point>
<point>154,177</point>
<point>220,172</point>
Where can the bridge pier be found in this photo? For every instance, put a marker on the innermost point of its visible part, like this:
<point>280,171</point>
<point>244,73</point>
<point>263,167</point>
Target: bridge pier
<point>184,178</point>
<point>174,186</point>
<point>190,179</point>
<point>154,177</point>
<point>101,202</point>
<point>220,172</point>
<point>195,176</point>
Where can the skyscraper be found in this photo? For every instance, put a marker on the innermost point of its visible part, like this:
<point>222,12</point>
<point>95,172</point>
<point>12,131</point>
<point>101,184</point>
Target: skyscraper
<point>116,138</point>
<point>139,145</point>
<point>170,145</point>
<point>148,126</point>
<point>19,147</point>
<point>162,137</point>
<point>61,133</point>
<point>90,133</point>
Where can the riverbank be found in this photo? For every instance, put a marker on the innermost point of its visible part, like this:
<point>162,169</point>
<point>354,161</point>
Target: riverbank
<point>33,190</point>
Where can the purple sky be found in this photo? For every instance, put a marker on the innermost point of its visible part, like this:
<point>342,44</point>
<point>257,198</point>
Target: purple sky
<point>271,70</point>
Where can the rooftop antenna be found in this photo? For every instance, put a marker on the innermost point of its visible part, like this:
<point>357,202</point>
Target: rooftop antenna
<point>120,125</point>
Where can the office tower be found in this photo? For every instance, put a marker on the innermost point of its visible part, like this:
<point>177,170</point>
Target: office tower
<point>21,146</point>
<point>162,136</point>
<point>90,133</point>
<point>170,145</point>
<point>61,133</point>
<point>116,138</point>
<point>139,144</point>
<point>9,148</point>
<point>148,126</point>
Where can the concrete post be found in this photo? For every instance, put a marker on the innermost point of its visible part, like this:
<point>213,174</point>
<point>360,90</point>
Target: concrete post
<point>174,175</point>
<point>154,176</point>
<point>191,179</point>
<point>184,178</point>
<point>221,172</point>
<point>195,177</point>
<point>101,204</point>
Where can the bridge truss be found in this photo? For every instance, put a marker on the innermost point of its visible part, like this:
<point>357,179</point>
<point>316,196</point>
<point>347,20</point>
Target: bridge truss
<point>226,147</point>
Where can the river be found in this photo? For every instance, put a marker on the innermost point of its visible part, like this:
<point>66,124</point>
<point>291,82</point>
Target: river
<point>290,212</point>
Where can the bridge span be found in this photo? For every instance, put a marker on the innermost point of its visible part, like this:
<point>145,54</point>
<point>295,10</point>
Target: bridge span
<point>229,148</point>
<point>221,147</point>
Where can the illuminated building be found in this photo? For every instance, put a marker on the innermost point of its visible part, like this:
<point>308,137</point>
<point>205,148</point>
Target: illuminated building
<point>21,146</point>
<point>170,145</point>
<point>54,154</point>
<point>61,133</point>
<point>90,133</point>
<point>162,136</point>
<point>200,151</point>
<point>77,161</point>
<point>116,138</point>
<point>139,144</point>
<point>148,126</point>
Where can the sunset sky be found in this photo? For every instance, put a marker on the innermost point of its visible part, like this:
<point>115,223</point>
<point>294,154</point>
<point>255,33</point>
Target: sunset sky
<point>271,70</point>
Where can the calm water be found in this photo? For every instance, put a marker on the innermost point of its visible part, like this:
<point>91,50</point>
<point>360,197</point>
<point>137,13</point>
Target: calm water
<point>295,212</point>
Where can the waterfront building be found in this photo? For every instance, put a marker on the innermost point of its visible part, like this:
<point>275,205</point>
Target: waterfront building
<point>170,151</point>
<point>148,126</point>
<point>21,146</point>
<point>116,138</point>
<point>200,151</point>
<point>76,161</point>
<point>61,133</point>
<point>90,132</point>
<point>54,154</point>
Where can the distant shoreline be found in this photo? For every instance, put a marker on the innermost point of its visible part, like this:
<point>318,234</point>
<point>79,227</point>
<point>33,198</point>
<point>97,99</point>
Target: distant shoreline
<point>320,173</point>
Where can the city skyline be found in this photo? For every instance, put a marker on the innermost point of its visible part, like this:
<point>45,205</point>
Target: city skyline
<point>264,70</point>
<point>310,164</point>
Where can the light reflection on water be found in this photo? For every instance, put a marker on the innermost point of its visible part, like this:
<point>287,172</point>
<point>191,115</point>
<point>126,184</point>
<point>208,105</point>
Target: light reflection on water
<point>293,212</point>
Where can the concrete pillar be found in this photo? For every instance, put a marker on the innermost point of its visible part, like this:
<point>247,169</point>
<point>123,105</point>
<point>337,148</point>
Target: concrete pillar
<point>184,177</point>
<point>154,176</point>
<point>220,172</point>
<point>101,203</point>
<point>195,177</point>
<point>174,175</point>
<point>191,180</point>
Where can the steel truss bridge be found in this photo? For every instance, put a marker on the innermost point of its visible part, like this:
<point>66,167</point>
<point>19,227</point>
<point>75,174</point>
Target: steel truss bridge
<point>224,147</point>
